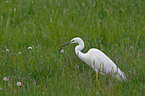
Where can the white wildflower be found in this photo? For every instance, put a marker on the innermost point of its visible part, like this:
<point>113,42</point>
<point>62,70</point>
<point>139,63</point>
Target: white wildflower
<point>1,88</point>
<point>7,50</point>
<point>29,47</point>
<point>62,51</point>
<point>1,17</point>
<point>19,52</point>
<point>14,9</point>
<point>6,79</point>
<point>19,83</point>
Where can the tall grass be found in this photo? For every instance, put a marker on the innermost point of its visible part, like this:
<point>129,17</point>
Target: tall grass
<point>114,26</point>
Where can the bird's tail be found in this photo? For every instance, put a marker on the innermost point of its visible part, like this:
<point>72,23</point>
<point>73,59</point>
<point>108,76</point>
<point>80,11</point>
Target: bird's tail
<point>121,76</point>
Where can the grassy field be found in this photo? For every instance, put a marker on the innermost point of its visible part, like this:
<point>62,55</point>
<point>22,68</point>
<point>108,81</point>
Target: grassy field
<point>117,27</point>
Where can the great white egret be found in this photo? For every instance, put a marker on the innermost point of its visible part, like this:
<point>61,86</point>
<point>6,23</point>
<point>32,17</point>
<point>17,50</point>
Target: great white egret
<point>97,60</point>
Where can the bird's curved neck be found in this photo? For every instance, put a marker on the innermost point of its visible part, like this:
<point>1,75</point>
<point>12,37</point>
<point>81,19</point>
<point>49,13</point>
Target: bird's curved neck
<point>78,48</point>
<point>78,52</point>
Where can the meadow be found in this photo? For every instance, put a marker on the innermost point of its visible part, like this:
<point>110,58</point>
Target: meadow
<point>117,27</point>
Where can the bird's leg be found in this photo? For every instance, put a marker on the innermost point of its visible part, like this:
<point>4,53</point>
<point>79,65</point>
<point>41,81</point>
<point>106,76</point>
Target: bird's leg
<point>96,76</point>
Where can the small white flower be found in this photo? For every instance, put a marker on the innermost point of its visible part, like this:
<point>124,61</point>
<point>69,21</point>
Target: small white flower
<point>19,52</point>
<point>62,51</point>
<point>7,50</point>
<point>19,83</point>
<point>1,88</point>
<point>6,79</point>
<point>29,47</point>
<point>2,17</point>
<point>14,9</point>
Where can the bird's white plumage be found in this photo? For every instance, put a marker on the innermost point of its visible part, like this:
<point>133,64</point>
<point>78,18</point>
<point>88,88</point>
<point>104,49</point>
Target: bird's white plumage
<point>97,60</point>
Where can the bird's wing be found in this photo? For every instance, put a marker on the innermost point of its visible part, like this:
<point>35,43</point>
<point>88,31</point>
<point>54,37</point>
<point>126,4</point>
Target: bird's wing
<point>102,62</point>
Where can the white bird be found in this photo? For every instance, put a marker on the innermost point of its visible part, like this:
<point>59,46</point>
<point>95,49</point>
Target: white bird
<point>97,60</point>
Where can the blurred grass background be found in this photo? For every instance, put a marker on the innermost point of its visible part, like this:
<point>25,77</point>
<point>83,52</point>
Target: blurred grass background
<point>117,27</point>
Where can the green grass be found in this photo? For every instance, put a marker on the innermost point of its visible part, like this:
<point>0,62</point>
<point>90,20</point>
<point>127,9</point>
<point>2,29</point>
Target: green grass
<point>117,27</point>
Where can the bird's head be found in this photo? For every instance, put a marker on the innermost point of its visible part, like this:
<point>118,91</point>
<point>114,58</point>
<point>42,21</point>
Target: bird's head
<point>74,40</point>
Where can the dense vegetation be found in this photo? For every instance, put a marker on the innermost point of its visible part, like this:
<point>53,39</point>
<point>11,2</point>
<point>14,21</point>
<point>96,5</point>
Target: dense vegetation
<point>117,27</point>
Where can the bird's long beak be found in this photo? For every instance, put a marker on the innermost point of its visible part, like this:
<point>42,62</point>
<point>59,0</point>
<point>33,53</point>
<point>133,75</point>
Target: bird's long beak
<point>64,45</point>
